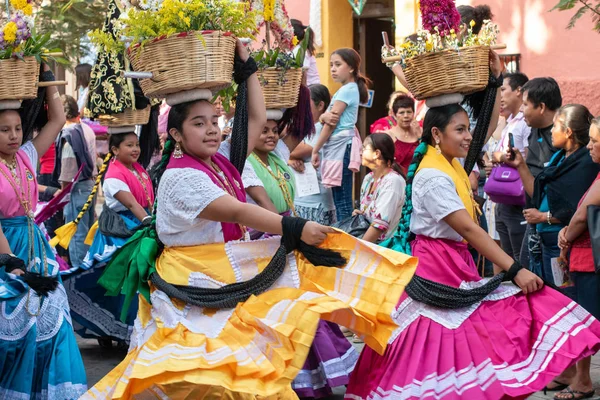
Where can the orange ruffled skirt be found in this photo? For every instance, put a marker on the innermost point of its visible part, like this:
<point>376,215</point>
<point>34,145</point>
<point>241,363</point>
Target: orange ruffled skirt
<point>256,349</point>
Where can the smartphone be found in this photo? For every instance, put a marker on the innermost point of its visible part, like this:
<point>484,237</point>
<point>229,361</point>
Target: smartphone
<point>386,39</point>
<point>511,145</point>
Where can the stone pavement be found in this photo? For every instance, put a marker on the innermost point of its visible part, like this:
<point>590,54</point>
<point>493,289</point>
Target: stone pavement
<point>98,362</point>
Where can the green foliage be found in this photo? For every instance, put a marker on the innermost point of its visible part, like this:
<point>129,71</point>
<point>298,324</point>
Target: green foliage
<point>38,46</point>
<point>586,7</point>
<point>69,21</point>
<point>176,16</point>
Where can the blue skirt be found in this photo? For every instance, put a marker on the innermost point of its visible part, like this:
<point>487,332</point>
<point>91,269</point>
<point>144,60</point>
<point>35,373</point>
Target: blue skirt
<point>40,358</point>
<point>95,315</point>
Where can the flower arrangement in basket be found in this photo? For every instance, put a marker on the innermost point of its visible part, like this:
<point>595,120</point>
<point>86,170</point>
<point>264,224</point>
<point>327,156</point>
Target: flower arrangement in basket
<point>21,52</point>
<point>446,57</point>
<point>182,45</point>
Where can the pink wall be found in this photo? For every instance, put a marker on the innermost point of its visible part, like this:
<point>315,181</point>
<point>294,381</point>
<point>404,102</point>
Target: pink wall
<point>298,9</point>
<point>547,48</point>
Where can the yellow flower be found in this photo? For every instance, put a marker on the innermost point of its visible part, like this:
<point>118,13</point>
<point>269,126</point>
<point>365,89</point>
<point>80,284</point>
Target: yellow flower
<point>28,10</point>
<point>472,23</point>
<point>19,4</point>
<point>452,31</point>
<point>268,13</point>
<point>429,45</point>
<point>10,32</point>
<point>295,41</point>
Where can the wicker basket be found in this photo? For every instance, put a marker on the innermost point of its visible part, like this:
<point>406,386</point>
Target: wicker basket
<point>449,71</point>
<point>280,96</point>
<point>129,117</point>
<point>19,79</point>
<point>194,60</point>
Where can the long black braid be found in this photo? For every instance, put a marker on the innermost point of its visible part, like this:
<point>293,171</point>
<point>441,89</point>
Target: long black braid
<point>482,105</point>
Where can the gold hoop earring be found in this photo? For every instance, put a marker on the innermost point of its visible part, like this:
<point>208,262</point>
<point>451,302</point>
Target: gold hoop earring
<point>437,148</point>
<point>177,153</point>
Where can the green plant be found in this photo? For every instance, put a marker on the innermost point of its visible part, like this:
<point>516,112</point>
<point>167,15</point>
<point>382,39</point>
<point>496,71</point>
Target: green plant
<point>586,7</point>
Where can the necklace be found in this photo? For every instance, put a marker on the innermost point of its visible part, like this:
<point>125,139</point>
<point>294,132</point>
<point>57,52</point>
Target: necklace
<point>139,178</point>
<point>282,182</point>
<point>226,185</point>
<point>23,198</point>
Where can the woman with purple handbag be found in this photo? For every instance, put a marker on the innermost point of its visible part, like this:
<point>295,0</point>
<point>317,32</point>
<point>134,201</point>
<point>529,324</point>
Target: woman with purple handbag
<point>504,186</point>
<point>556,191</point>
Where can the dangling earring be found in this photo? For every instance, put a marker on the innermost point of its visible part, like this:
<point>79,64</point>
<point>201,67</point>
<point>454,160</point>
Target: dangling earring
<point>177,153</point>
<point>437,147</point>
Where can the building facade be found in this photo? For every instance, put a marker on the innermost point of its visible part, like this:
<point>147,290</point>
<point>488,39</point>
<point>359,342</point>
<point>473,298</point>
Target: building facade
<point>537,37</point>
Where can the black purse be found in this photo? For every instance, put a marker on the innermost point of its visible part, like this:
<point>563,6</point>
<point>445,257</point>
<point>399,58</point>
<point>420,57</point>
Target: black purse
<point>593,221</point>
<point>111,224</point>
<point>356,225</point>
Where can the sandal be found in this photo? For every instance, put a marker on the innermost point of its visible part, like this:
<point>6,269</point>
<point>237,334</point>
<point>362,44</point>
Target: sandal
<point>575,394</point>
<point>559,387</point>
<point>356,339</point>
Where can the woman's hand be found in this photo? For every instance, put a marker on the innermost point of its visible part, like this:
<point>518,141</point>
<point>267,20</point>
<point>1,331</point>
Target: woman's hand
<point>241,50</point>
<point>535,216</point>
<point>563,243</point>
<point>357,212</point>
<point>329,118</point>
<point>315,159</point>
<point>314,234</point>
<point>489,166</point>
<point>297,165</point>
<point>528,281</point>
<point>496,64</point>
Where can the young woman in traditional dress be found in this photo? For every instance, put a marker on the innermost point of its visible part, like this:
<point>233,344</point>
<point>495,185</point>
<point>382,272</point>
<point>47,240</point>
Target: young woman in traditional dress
<point>219,320</point>
<point>331,357</point>
<point>460,336</point>
<point>129,197</point>
<point>40,358</point>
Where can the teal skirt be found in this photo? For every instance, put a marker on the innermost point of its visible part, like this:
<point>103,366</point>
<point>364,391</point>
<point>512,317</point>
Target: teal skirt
<point>39,355</point>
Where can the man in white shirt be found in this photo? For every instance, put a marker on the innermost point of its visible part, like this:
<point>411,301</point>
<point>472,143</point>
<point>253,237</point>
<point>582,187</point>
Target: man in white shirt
<point>509,218</point>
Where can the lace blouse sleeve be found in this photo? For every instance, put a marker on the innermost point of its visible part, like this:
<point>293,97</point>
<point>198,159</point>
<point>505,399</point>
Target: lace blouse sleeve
<point>184,193</point>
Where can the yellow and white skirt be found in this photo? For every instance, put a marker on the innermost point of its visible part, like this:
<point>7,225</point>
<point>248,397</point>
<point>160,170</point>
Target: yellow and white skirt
<point>256,349</point>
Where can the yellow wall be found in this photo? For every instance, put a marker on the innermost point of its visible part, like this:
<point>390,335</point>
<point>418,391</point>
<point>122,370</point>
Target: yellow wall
<point>337,24</point>
<point>407,23</point>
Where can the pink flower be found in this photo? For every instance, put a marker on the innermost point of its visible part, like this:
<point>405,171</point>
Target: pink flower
<point>441,14</point>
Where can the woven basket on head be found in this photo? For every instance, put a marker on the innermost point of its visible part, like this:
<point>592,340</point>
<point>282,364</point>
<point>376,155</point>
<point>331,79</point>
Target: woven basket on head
<point>19,78</point>
<point>276,95</point>
<point>128,117</point>
<point>186,61</point>
<point>449,71</point>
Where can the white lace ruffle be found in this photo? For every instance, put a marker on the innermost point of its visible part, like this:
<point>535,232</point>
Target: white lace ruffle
<point>82,305</point>
<point>54,310</point>
<point>409,310</point>
<point>327,370</point>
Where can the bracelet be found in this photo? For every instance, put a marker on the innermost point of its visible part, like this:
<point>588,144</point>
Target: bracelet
<point>146,218</point>
<point>548,216</point>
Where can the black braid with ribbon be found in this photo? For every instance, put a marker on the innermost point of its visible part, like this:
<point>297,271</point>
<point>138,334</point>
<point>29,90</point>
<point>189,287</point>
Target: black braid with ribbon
<point>482,104</point>
<point>230,295</point>
<point>239,132</point>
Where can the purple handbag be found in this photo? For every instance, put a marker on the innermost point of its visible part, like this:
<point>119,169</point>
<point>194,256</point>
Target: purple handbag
<point>504,186</point>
